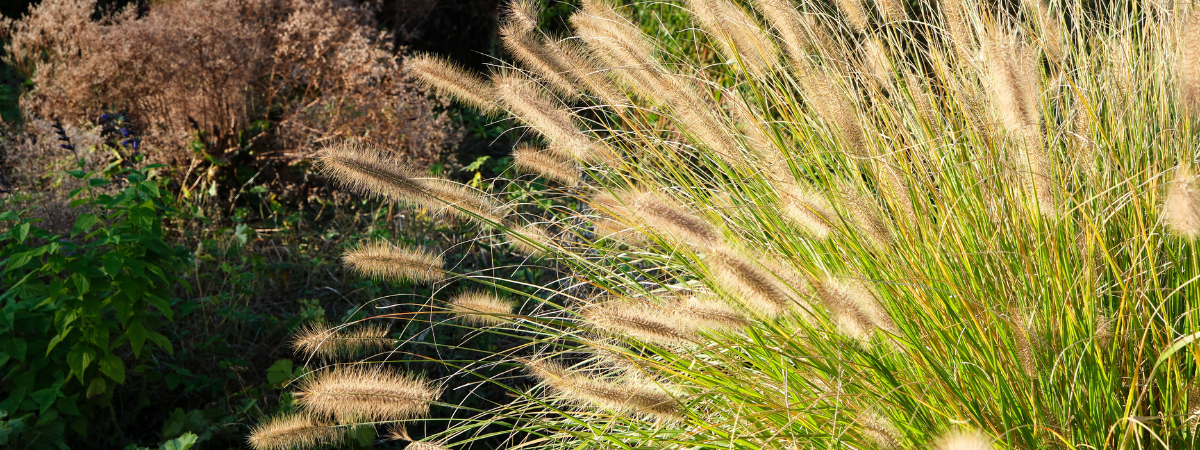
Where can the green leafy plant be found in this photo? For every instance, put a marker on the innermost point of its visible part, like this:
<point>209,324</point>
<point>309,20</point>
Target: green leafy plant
<point>83,311</point>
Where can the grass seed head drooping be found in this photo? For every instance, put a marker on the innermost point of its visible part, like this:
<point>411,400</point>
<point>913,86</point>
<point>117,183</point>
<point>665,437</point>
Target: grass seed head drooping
<point>1189,66</point>
<point>366,393</point>
<point>749,283</point>
<point>547,163</point>
<point>481,308</point>
<point>448,78</point>
<point>639,397</point>
<point>963,440</point>
<point>644,322</point>
<point>1181,208</point>
<point>669,219</point>
<point>318,339</point>
<point>382,261</point>
<point>548,116</point>
<point>293,431</point>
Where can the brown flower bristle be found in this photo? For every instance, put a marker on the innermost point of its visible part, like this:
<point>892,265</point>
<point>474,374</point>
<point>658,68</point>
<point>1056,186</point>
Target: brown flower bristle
<point>293,431</point>
<point>531,240</point>
<point>448,78</point>
<point>317,339</point>
<point>366,393</point>
<point>383,261</point>
<point>1189,65</point>
<point>417,445</point>
<point>707,313</point>
<point>626,396</point>
<point>481,308</point>
<point>855,311</point>
<point>662,215</point>
<point>740,36</point>
<point>524,99</point>
<point>622,47</point>
<point>963,440</point>
<point>523,44</point>
<point>1181,208</point>
<point>879,430</point>
<point>753,285</point>
<point>808,209</point>
<point>371,172</point>
<point>644,322</point>
<point>547,163</point>
<point>854,12</point>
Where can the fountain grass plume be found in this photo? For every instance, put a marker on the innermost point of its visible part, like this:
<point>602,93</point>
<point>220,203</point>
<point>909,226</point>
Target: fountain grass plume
<point>638,397</point>
<point>445,77</point>
<point>372,172</point>
<point>963,440</point>
<point>382,261</point>
<point>547,163</point>
<point>319,339</point>
<point>747,281</point>
<point>481,308</point>
<point>366,393</point>
<point>525,99</point>
<point>1181,208</point>
<point>292,431</point>
<point>642,321</point>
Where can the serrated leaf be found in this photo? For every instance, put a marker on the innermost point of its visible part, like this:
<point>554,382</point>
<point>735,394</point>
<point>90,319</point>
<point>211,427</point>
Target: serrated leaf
<point>113,367</point>
<point>150,187</point>
<point>112,263</point>
<point>137,337</point>
<point>20,232</point>
<point>280,372</point>
<point>97,182</point>
<point>184,442</point>
<point>162,341</point>
<point>16,348</point>
<point>84,223</point>
<point>18,261</point>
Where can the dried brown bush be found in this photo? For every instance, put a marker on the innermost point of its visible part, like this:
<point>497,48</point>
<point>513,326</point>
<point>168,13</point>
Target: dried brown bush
<point>314,70</point>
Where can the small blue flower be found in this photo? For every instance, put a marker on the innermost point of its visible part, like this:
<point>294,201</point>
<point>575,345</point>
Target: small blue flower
<point>67,146</point>
<point>105,116</point>
<point>124,132</point>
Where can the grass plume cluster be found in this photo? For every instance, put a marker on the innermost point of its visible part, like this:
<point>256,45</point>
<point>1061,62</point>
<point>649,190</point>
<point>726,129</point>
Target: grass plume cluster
<point>951,227</point>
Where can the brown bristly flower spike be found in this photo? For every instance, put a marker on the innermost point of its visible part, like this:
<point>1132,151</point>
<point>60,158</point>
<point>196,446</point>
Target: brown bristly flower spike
<point>644,322</point>
<point>531,240</point>
<point>371,172</point>
<point>755,287</point>
<point>706,313</point>
<point>448,78</point>
<point>366,393</point>
<point>621,46</point>
<point>523,14</point>
<point>382,261</point>
<point>879,430</point>
<point>1181,208</point>
<point>891,10</point>
<point>1189,65</point>
<point>293,431</point>
<point>525,99</point>
<point>788,23</point>
<point>664,216</point>
<point>481,308</point>
<point>739,35</point>
<point>963,440</point>
<point>854,12</point>
<point>318,339</point>
<point>855,310</point>
<point>523,44</point>
<point>626,396</point>
<point>417,445</point>
<point>547,163</point>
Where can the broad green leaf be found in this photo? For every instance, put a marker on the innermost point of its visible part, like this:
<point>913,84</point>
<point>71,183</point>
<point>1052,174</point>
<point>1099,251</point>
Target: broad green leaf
<point>137,337</point>
<point>15,347</point>
<point>18,261</point>
<point>84,223</point>
<point>57,339</point>
<point>162,341</point>
<point>280,372</point>
<point>9,215</point>
<point>112,366</point>
<point>21,231</point>
<point>96,387</point>
<point>112,262</point>
<point>150,187</point>
<point>184,442</point>
<point>79,358</point>
<point>97,182</point>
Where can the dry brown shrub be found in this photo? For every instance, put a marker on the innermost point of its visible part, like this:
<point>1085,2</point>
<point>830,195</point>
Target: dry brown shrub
<point>316,70</point>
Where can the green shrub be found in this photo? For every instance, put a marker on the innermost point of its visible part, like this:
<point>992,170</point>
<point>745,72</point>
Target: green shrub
<point>82,311</point>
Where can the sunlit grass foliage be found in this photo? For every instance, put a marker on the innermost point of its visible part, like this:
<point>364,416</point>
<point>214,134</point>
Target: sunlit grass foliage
<point>845,225</point>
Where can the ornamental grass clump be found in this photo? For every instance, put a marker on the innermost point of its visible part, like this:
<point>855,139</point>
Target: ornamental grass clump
<point>953,227</point>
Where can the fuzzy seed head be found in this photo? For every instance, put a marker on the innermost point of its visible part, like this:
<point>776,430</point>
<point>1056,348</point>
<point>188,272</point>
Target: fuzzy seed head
<point>808,209</point>
<point>382,261</point>
<point>371,172</point>
<point>879,430</point>
<point>1181,208</point>
<point>415,445</point>
<point>538,58</point>
<point>748,282</point>
<point>1013,80</point>
<point>525,99</point>
<point>891,10</point>
<point>963,440</point>
<point>362,393</point>
<point>854,12</point>
<point>531,240</point>
<point>665,217</point>
<point>707,313</point>
<point>447,78</point>
<point>293,431</point>
<point>866,215</point>
<point>481,308</point>
<point>855,311</point>
<point>547,163</point>
<point>629,396</point>
<point>318,339</point>
<point>1189,65</point>
<point>740,36</point>
<point>644,322</point>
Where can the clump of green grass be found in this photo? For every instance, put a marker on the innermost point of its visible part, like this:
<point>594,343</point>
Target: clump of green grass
<point>953,227</point>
